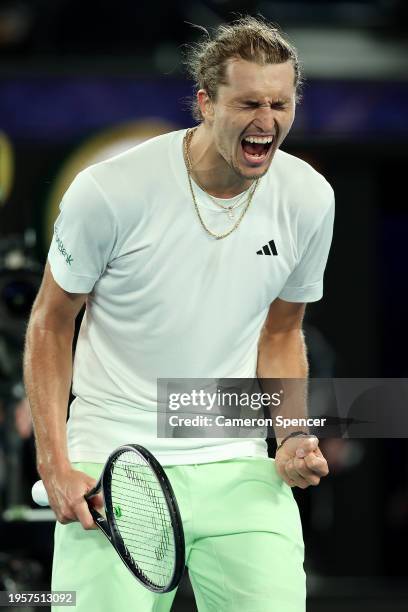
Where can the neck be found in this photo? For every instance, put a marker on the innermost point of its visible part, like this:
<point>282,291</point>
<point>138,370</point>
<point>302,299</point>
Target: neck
<point>210,170</point>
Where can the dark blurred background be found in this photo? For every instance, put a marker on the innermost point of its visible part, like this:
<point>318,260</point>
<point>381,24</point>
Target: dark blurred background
<point>80,81</point>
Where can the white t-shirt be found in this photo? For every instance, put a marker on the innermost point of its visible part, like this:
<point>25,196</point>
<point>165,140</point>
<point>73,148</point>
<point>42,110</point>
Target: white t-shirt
<point>166,300</point>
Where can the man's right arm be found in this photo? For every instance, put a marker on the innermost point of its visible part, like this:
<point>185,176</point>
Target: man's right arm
<point>47,376</point>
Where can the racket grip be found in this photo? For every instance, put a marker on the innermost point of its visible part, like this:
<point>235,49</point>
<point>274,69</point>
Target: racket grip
<point>39,494</point>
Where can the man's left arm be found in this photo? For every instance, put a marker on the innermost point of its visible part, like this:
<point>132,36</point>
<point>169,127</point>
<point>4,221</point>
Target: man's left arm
<point>282,355</point>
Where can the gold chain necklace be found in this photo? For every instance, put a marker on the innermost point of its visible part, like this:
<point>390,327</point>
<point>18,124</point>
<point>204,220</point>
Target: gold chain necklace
<point>187,141</point>
<point>228,209</point>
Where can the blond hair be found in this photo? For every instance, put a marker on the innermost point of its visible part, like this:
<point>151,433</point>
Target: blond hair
<point>249,38</point>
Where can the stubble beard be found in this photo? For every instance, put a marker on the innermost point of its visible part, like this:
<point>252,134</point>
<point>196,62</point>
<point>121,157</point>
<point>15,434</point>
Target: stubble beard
<point>251,177</point>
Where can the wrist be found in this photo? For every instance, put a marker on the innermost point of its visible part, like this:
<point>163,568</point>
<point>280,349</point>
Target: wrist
<point>51,465</point>
<point>294,434</point>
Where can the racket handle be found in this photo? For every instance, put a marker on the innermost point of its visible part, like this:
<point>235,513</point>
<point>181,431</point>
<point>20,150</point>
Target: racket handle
<point>39,494</point>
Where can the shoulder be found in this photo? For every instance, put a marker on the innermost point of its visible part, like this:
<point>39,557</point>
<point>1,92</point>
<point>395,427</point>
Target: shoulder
<point>120,181</point>
<point>305,197</point>
<point>302,184</point>
<point>140,160</point>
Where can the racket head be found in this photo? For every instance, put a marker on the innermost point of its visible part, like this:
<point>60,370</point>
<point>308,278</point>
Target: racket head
<point>144,518</point>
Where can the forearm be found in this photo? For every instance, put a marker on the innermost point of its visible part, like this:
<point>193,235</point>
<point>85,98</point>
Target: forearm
<point>47,375</point>
<point>282,366</point>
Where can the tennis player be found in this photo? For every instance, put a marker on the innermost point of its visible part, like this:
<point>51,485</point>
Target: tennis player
<point>195,254</point>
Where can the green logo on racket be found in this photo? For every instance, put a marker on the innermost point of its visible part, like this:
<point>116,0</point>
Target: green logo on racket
<point>117,511</point>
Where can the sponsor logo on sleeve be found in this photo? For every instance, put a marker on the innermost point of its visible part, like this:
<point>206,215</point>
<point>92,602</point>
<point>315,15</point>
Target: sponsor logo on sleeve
<point>60,245</point>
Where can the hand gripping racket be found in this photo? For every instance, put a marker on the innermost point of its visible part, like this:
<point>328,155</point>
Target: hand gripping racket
<point>142,517</point>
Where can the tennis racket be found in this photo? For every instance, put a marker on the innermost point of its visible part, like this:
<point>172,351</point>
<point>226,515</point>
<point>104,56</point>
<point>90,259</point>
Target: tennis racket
<point>142,517</point>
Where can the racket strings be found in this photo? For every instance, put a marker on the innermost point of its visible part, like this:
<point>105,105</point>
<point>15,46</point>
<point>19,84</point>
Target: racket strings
<point>142,517</point>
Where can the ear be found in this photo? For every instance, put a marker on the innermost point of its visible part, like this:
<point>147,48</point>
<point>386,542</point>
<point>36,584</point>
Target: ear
<point>205,104</point>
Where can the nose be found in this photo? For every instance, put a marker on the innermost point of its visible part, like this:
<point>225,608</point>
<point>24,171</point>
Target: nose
<point>265,118</point>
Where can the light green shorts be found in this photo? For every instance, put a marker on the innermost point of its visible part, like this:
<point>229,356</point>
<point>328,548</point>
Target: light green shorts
<point>244,546</point>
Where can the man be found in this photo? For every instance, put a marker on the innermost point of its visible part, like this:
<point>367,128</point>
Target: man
<point>163,244</point>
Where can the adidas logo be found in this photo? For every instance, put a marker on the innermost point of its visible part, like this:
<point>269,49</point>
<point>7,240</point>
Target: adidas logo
<point>268,249</point>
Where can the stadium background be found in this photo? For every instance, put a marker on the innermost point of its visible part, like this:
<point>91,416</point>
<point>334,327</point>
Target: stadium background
<point>83,80</point>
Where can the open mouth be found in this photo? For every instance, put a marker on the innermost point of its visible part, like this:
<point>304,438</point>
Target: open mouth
<point>256,148</point>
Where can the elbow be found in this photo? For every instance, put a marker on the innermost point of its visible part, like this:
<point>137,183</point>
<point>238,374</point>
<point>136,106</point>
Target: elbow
<point>44,322</point>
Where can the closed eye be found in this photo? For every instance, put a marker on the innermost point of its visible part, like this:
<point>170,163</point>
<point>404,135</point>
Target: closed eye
<point>251,104</point>
<point>278,105</point>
